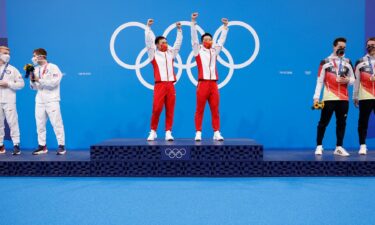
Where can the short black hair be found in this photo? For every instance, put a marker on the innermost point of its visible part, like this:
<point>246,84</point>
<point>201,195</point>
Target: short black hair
<point>337,40</point>
<point>40,51</point>
<point>206,34</point>
<point>370,39</point>
<point>158,38</point>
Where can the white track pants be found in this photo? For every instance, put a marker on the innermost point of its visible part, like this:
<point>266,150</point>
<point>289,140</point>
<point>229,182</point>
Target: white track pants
<point>8,111</point>
<point>50,110</point>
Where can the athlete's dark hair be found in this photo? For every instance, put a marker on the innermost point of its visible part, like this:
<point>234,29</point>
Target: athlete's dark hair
<point>204,35</point>
<point>370,39</point>
<point>337,40</point>
<point>40,51</point>
<point>159,38</point>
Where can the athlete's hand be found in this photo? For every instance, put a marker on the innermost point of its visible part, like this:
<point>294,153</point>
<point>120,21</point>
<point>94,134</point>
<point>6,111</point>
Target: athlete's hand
<point>342,80</point>
<point>356,102</point>
<point>316,101</point>
<point>150,22</point>
<point>178,25</point>
<point>194,17</point>
<point>3,84</point>
<point>36,78</point>
<point>225,21</point>
<point>372,78</point>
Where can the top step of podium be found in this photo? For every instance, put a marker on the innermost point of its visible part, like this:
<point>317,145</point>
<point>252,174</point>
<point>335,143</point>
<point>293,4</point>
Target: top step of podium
<point>179,149</point>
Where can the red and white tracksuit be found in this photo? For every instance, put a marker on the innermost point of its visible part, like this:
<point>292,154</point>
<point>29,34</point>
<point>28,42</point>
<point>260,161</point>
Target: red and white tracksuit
<point>364,88</point>
<point>364,92</point>
<point>335,95</point>
<point>327,75</point>
<point>207,89</point>
<point>164,76</point>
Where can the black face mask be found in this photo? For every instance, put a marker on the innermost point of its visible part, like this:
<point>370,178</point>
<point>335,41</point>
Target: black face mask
<point>370,48</point>
<point>340,52</point>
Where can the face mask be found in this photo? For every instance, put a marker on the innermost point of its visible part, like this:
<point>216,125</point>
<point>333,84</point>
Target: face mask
<point>370,48</point>
<point>163,47</point>
<point>340,52</point>
<point>5,58</point>
<point>207,44</point>
<point>34,60</point>
<point>37,59</point>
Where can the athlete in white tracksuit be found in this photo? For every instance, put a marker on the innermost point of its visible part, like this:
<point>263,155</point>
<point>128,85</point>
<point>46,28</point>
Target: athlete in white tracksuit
<point>47,101</point>
<point>10,81</point>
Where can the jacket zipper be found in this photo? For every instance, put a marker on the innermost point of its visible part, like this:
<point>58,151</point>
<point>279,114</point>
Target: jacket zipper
<point>166,65</point>
<point>209,67</point>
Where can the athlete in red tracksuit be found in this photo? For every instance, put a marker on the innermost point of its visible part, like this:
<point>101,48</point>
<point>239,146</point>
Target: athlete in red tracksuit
<point>207,89</point>
<point>162,60</point>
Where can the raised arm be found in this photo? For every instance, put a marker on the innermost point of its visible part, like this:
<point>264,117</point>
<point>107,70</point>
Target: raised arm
<point>150,39</point>
<point>194,34</point>
<point>223,36</point>
<point>178,42</point>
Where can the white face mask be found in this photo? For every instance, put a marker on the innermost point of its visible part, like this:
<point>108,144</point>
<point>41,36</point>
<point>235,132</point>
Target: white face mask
<point>35,59</point>
<point>5,58</point>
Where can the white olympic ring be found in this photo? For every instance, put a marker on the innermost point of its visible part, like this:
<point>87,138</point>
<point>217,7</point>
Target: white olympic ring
<point>175,153</point>
<point>179,65</point>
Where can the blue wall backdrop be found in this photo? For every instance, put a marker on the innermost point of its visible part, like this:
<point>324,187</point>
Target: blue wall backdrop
<point>269,100</point>
<point>3,34</point>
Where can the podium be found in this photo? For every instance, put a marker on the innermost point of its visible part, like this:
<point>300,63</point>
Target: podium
<point>186,158</point>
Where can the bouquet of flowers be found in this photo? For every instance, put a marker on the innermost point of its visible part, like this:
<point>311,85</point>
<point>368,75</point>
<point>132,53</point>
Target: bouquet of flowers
<point>29,68</point>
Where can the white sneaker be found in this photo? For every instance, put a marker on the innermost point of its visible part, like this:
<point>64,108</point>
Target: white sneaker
<point>198,136</point>
<point>152,136</point>
<point>217,136</point>
<point>319,150</point>
<point>168,136</point>
<point>340,151</point>
<point>362,150</point>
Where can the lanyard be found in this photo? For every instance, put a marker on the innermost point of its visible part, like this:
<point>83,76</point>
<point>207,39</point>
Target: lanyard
<point>3,73</point>
<point>340,66</point>
<point>44,70</point>
<point>371,66</point>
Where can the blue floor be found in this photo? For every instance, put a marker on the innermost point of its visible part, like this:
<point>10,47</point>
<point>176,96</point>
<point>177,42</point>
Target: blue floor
<point>174,201</point>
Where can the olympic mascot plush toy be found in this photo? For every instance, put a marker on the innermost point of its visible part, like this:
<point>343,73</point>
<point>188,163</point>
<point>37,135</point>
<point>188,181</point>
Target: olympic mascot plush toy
<point>318,105</point>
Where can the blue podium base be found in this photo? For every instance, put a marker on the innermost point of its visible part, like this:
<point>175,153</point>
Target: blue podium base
<point>186,158</point>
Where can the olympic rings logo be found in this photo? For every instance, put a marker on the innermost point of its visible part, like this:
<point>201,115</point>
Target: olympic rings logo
<point>175,153</point>
<point>188,65</point>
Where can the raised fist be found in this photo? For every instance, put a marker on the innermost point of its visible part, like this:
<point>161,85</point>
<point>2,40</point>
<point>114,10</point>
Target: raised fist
<point>225,21</point>
<point>194,16</point>
<point>178,25</point>
<point>150,22</point>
